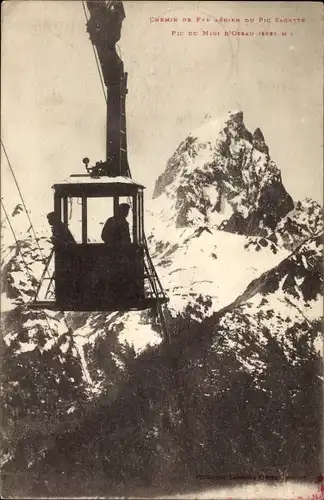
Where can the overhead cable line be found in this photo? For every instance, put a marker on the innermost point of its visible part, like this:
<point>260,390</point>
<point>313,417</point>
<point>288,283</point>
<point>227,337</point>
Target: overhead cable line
<point>96,57</point>
<point>21,197</point>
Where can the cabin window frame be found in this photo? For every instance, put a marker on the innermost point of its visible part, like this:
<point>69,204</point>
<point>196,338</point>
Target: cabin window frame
<point>137,208</point>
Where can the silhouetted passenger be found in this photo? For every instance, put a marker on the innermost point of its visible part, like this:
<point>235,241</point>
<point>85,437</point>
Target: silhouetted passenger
<point>116,229</point>
<point>61,235</point>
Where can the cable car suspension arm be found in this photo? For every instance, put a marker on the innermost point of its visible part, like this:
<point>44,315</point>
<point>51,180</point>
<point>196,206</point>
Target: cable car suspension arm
<point>104,28</point>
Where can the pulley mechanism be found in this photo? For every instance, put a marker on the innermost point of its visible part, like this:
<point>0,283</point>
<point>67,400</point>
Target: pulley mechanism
<point>100,168</point>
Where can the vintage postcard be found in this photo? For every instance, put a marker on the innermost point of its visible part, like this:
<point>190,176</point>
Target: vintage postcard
<point>161,249</point>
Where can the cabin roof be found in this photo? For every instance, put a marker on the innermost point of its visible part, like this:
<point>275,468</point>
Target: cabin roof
<point>89,186</point>
<point>86,179</point>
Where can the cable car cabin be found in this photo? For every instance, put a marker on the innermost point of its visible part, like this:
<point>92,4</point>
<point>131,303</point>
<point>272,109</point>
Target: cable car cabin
<point>89,274</point>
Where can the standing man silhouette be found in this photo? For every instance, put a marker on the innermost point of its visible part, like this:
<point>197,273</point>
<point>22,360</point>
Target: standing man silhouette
<point>116,229</point>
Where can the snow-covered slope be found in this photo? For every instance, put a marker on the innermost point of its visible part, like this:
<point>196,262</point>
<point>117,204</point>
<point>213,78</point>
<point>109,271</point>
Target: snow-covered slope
<point>209,262</point>
<point>283,307</point>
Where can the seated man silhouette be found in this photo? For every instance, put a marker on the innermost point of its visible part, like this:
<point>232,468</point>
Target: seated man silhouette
<point>116,229</point>
<point>61,235</point>
<point>68,263</point>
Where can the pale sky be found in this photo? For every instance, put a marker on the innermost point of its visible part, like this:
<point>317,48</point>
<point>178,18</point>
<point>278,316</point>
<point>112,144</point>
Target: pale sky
<point>53,109</point>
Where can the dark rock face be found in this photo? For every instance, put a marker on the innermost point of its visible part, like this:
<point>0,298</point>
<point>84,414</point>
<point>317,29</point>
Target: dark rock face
<point>174,164</point>
<point>259,142</point>
<point>298,277</point>
<point>273,204</point>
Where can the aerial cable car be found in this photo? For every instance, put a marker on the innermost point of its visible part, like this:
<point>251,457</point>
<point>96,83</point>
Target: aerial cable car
<point>110,275</point>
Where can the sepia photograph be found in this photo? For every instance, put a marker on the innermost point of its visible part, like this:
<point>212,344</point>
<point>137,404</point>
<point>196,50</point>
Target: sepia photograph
<point>162,249</point>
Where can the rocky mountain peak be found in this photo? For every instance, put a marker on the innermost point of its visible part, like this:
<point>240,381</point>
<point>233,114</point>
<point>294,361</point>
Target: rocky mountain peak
<point>258,135</point>
<point>222,175</point>
<point>258,141</point>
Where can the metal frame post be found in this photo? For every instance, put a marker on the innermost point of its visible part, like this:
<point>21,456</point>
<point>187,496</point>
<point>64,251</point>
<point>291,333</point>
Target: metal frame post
<point>57,205</point>
<point>135,212</point>
<point>84,220</point>
<point>65,210</point>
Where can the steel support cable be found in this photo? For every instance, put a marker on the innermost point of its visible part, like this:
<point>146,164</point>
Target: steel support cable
<point>23,203</point>
<point>96,56</point>
<point>21,197</point>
